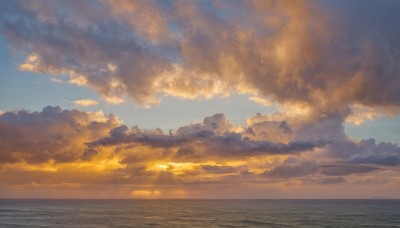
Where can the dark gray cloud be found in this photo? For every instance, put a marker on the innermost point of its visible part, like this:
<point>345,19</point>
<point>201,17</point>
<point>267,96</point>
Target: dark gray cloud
<point>52,134</point>
<point>214,137</point>
<point>340,170</point>
<point>301,168</point>
<point>366,152</point>
<point>332,180</point>
<point>293,167</point>
<point>328,127</point>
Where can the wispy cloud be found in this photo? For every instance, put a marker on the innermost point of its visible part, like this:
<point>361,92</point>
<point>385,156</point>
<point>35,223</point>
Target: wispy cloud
<point>56,80</point>
<point>260,101</point>
<point>85,102</point>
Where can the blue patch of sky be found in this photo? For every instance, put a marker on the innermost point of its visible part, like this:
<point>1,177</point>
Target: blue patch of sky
<point>31,91</point>
<point>382,129</point>
<point>172,112</point>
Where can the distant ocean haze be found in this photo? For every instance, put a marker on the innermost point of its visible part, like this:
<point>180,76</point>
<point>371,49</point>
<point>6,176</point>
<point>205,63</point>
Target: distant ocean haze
<point>200,213</point>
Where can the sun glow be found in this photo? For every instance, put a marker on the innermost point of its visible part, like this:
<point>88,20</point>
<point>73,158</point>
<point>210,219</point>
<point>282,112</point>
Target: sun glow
<point>51,166</point>
<point>174,167</point>
<point>146,193</point>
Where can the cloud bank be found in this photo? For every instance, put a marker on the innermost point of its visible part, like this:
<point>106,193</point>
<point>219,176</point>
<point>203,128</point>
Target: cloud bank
<point>56,148</point>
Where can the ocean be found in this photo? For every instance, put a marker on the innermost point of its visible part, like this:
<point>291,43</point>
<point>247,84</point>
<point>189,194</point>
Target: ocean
<point>199,213</point>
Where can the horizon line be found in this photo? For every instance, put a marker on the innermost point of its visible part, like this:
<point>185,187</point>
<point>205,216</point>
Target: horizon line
<point>200,198</point>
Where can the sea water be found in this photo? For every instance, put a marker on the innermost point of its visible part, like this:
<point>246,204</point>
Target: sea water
<point>199,213</point>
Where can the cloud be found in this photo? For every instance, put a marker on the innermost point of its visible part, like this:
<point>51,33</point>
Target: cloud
<point>213,137</point>
<point>85,102</point>
<point>282,51</point>
<point>260,101</point>
<point>308,138</point>
<point>71,149</point>
<point>294,168</point>
<point>56,80</point>
<point>218,169</point>
<point>50,135</point>
<point>332,180</point>
<point>340,170</point>
<point>319,144</point>
<point>366,152</point>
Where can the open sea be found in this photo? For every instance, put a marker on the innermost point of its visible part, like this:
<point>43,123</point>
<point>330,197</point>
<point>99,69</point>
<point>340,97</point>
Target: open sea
<point>199,213</point>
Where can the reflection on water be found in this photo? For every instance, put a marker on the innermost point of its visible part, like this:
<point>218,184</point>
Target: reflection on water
<point>199,213</point>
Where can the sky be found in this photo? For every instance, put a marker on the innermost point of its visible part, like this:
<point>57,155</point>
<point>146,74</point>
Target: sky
<point>199,99</point>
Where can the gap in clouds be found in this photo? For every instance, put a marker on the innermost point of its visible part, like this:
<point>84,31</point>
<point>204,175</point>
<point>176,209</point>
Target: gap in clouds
<point>383,129</point>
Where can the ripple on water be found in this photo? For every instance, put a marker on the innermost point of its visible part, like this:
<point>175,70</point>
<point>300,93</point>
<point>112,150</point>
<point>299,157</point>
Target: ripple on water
<point>199,213</point>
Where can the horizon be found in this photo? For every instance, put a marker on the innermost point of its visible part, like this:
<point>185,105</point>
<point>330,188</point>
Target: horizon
<point>169,199</point>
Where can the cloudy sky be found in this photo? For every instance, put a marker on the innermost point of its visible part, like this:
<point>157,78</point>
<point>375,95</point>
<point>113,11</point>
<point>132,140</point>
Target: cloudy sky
<point>199,99</point>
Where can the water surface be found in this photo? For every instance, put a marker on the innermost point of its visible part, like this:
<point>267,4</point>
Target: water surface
<point>199,213</point>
